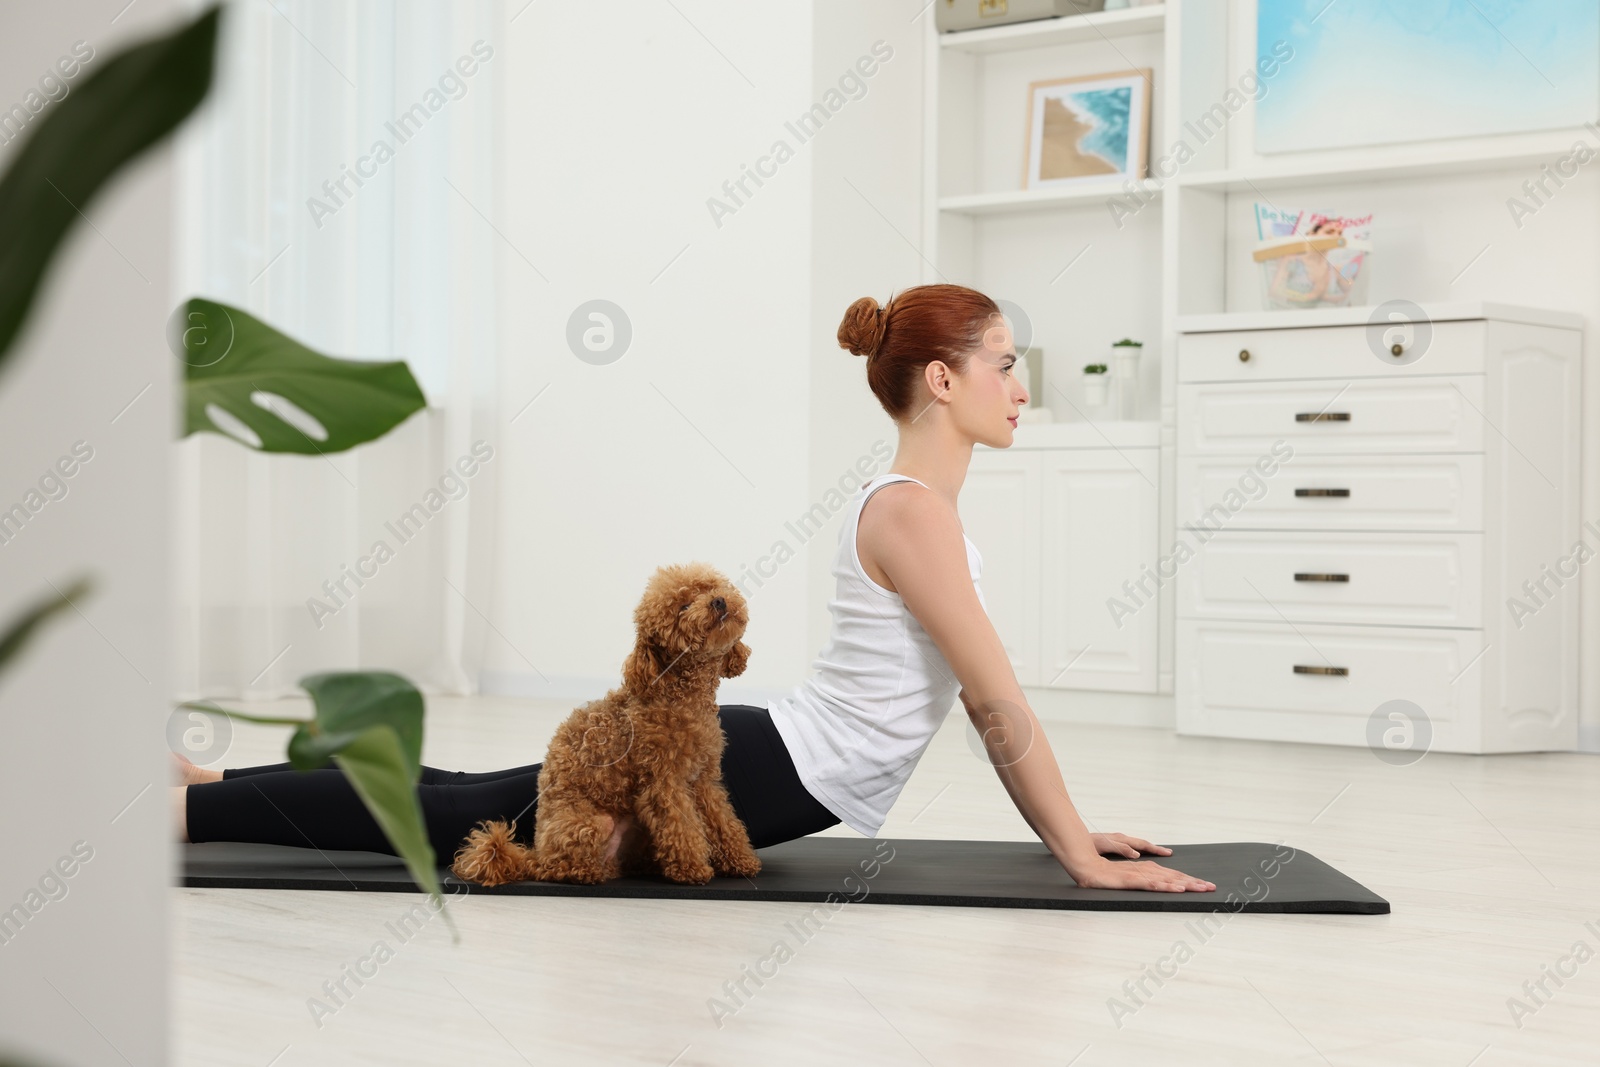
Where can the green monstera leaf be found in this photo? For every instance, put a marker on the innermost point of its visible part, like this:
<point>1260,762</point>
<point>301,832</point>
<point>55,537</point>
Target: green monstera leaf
<point>349,703</point>
<point>248,381</point>
<point>375,763</point>
<point>368,723</point>
<point>124,105</point>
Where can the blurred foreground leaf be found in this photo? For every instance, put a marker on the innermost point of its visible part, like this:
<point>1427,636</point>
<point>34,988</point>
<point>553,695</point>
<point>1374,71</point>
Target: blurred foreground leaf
<point>125,103</point>
<point>16,636</point>
<point>369,724</point>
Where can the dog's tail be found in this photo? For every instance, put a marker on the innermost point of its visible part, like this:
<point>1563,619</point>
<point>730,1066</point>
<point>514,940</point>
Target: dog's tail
<point>491,856</point>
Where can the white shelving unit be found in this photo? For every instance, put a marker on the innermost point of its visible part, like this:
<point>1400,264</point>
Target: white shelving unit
<point>1034,199</point>
<point>1084,278</point>
<point>1102,25</point>
<point>981,228</point>
<point>1416,161</point>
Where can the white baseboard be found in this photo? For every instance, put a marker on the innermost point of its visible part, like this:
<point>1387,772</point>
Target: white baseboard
<point>1102,708</point>
<point>578,689</point>
<point>1051,705</point>
<point>1093,707</point>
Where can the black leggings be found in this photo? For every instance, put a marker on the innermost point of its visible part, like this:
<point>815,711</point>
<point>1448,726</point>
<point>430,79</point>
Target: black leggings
<point>276,804</point>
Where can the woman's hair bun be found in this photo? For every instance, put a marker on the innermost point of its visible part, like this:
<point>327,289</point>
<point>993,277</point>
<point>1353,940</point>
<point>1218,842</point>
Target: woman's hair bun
<point>861,330</point>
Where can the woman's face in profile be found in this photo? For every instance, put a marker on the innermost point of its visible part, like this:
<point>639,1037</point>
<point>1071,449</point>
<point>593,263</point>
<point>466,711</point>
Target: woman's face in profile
<point>992,393</point>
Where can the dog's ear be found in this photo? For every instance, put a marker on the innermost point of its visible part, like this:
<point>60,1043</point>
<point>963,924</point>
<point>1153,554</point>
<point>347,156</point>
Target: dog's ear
<point>643,666</point>
<point>734,662</point>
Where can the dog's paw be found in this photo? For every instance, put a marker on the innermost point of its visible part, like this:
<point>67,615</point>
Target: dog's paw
<point>566,870</point>
<point>688,873</point>
<point>744,864</point>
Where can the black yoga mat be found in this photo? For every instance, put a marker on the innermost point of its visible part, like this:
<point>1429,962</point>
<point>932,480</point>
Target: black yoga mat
<point>1249,875</point>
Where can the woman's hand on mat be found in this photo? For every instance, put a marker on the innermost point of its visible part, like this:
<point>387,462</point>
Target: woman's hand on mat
<point>1101,873</point>
<point>1144,875</point>
<point>1123,845</point>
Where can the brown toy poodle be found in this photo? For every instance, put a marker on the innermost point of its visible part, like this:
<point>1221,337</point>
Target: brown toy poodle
<point>651,749</point>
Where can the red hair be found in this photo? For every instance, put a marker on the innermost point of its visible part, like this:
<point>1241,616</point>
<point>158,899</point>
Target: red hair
<point>916,327</point>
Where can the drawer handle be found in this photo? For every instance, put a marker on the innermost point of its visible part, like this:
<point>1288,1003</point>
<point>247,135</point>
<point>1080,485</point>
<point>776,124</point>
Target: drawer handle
<point>1301,576</point>
<point>1322,416</point>
<point>1322,492</point>
<point>1301,668</point>
<point>1244,355</point>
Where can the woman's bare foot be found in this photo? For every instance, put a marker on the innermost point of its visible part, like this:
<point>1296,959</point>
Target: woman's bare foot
<point>184,772</point>
<point>180,810</point>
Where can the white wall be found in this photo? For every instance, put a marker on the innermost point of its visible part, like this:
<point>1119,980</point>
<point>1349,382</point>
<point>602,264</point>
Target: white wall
<point>619,125</point>
<point>866,220</point>
<point>84,981</point>
<point>720,433</point>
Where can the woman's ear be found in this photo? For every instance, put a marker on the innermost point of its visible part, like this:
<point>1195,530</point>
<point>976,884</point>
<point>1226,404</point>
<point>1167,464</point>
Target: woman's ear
<point>642,667</point>
<point>734,662</point>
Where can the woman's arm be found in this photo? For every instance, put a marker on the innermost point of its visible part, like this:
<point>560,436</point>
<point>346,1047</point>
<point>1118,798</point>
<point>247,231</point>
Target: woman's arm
<point>917,540</point>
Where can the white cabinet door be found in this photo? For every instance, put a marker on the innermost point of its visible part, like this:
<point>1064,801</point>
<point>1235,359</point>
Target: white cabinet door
<point>1098,531</point>
<point>1000,512</point>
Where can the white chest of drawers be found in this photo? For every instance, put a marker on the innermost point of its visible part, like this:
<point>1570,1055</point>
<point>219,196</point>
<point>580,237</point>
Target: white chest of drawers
<point>1360,525</point>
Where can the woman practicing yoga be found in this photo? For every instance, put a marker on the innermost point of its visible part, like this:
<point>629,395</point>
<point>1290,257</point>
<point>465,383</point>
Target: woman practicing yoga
<point>909,631</point>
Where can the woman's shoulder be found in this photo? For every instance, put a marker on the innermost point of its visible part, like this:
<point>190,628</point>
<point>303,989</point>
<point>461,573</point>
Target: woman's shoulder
<point>906,523</point>
<point>908,502</point>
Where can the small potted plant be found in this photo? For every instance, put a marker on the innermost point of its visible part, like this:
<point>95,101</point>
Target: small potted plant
<point>1126,353</point>
<point>1094,384</point>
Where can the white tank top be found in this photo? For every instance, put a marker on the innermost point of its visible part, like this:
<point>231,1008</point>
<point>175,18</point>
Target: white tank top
<point>856,727</point>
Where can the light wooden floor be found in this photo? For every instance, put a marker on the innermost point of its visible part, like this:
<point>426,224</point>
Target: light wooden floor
<point>1489,863</point>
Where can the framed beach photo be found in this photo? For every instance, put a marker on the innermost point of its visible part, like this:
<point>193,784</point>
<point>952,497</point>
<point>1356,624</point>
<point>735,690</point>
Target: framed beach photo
<point>1095,127</point>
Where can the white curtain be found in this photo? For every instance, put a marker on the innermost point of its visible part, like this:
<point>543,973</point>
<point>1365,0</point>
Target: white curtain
<point>375,558</point>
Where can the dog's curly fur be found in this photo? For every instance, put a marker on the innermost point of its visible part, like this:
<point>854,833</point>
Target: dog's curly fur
<point>651,749</point>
